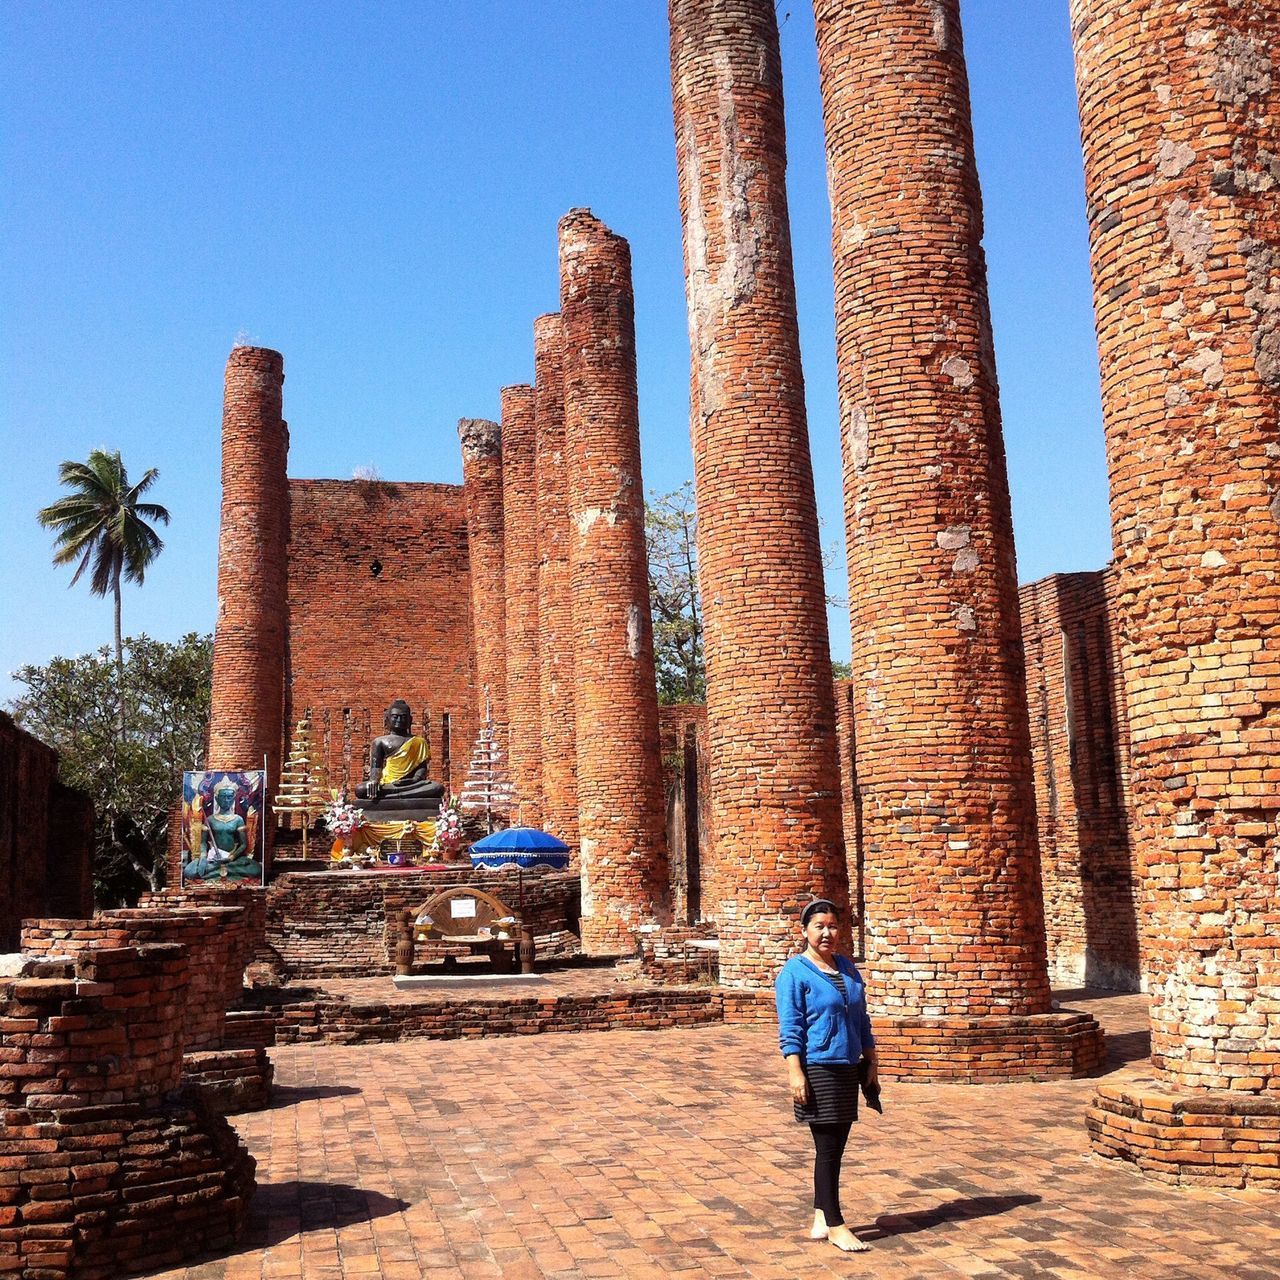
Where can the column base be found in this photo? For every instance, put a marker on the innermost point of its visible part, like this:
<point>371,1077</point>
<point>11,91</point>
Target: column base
<point>602,936</point>
<point>1188,1137</point>
<point>988,1050</point>
<point>229,1081</point>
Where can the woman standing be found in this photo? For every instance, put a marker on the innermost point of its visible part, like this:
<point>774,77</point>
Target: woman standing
<point>825,1034</point>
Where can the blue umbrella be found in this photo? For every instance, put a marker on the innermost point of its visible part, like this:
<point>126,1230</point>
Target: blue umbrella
<point>520,847</point>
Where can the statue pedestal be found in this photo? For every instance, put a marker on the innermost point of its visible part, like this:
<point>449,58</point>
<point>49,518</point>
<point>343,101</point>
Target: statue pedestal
<point>397,809</point>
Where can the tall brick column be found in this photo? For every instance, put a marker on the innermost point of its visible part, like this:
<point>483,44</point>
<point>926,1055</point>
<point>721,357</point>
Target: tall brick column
<point>247,709</point>
<point>481,442</point>
<point>555,614</point>
<point>520,555</point>
<point>955,919</point>
<point>775,784</point>
<point>1180,107</point>
<point>621,812</point>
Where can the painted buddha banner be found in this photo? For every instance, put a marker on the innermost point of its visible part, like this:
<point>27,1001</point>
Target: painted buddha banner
<point>222,825</point>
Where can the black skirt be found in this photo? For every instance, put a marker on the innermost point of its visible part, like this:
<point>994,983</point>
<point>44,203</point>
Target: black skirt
<point>833,1090</point>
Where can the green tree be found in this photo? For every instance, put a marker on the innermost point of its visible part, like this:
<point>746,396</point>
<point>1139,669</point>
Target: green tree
<point>102,523</point>
<point>670,521</point>
<point>135,778</point>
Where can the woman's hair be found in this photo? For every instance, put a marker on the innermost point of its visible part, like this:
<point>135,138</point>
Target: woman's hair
<point>813,908</point>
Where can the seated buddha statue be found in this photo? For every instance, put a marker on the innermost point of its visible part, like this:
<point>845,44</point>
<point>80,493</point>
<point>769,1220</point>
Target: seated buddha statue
<point>399,763</point>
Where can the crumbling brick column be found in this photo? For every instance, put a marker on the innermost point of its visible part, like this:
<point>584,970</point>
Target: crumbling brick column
<point>245,721</point>
<point>1180,109</point>
<point>555,616</point>
<point>955,920</point>
<point>775,785</point>
<point>215,940</point>
<point>481,442</point>
<point>520,556</point>
<point>621,811</point>
<point>119,1172</point>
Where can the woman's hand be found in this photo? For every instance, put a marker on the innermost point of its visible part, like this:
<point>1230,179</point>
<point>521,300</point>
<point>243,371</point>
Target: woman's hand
<point>799,1084</point>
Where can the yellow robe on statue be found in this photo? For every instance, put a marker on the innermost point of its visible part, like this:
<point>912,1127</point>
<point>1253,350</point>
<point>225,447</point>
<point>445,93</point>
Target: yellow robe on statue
<point>412,753</point>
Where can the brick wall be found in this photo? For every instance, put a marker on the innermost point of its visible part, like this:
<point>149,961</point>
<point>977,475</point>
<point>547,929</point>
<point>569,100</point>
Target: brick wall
<point>249,634</point>
<point>379,608</point>
<point>771,720</point>
<point>955,923</point>
<point>695,886</point>
<point>92,1048</point>
<point>46,835</point>
<point>1078,739</point>
<point>1180,110</point>
<point>481,443</point>
<point>520,561</point>
<point>620,803</point>
<point>555,616</point>
<point>345,924</point>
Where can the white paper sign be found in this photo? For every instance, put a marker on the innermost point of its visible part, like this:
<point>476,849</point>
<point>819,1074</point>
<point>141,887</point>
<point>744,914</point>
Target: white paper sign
<point>462,908</point>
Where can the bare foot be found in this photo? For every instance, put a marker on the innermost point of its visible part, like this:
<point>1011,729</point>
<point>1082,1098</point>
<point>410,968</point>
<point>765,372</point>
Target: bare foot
<point>819,1229</point>
<point>844,1239</point>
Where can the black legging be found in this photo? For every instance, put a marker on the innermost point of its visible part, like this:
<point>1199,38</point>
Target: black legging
<point>828,1146</point>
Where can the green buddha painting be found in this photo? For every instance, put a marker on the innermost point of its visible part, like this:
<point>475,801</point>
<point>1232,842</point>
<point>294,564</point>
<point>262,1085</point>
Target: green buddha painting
<point>221,842</point>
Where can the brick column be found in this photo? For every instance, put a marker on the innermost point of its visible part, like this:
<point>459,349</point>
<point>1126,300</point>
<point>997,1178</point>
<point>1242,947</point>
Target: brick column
<point>555,620</point>
<point>621,811</point>
<point>1180,107</point>
<point>955,919</point>
<point>246,715</point>
<point>520,555</point>
<point>775,785</point>
<point>481,442</point>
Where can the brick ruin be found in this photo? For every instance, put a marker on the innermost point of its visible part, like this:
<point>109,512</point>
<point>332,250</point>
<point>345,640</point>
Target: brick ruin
<point>109,1162</point>
<point>46,836</point>
<point>771,724</point>
<point>1075,781</point>
<point>1185,237</point>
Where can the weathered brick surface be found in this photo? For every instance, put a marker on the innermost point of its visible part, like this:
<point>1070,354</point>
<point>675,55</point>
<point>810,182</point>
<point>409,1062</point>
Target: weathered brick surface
<point>245,928</point>
<point>1180,107</point>
<point>555,605</point>
<point>1191,1138</point>
<point>1080,749</point>
<point>620,805</point>
<point>249,636</point>
<point>105,1173</point>
<point>695,886</point>
<point>229,1081</point>
<point>345,924</point>
<point>481,442</point>
<point>520,558</point>
<point>206,933</point>
<point>955,923</point>
<point>774,777</point>
<point>379,609</point>
<point>46,835</point>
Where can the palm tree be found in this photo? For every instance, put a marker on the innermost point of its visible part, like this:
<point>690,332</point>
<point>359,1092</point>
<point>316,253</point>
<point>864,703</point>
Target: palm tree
<point>102,523</point>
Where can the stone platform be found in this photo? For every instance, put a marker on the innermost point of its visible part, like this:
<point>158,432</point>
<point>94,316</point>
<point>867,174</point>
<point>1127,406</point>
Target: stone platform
<point>345,923</point>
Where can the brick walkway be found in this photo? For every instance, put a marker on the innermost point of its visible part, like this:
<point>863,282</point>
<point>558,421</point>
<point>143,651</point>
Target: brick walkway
<point>672,1154</point>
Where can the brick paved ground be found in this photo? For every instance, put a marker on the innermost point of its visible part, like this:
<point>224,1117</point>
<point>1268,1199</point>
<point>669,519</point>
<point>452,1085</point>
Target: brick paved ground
<point>672,1154</point>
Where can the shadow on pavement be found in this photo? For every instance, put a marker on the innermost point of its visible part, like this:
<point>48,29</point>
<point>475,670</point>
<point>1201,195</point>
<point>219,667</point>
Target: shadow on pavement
<point>903,1224</point>
<point>1124,1047</point>
<point>280,1210</point>
<point>285,1095</point>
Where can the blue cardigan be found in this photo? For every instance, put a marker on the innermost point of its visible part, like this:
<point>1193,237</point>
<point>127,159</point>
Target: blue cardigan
<point>814,1021</point>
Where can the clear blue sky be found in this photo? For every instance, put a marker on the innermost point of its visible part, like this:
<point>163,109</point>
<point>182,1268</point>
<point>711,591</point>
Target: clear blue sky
<point>373,189</point>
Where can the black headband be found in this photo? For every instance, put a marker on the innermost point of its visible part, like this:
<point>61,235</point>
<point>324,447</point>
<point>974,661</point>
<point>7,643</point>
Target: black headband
<point>812,909</point>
